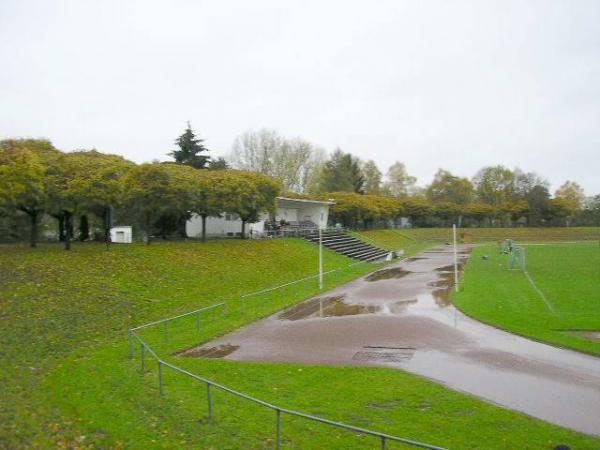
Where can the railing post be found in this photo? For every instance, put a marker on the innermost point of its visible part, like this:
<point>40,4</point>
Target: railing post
<point>383,443</point>
<point>210,404</point>
<point>278,429</point>
<point>130,344</point>
<point>143,358</point>
<point>160,378</point>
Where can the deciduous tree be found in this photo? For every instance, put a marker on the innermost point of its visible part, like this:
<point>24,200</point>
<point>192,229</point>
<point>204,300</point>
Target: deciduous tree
<point>399,183</point>
<point>494,185</point>
<point>24,178</point>
<point>248,194</point>
<point>372,176</point>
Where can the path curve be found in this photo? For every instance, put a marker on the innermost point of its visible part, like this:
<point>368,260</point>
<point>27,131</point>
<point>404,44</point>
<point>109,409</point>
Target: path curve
<point>401,317</point>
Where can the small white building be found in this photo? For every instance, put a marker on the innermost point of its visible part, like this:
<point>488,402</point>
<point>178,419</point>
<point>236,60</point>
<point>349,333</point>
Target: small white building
<point>290,214</point>
<point>121,235</point>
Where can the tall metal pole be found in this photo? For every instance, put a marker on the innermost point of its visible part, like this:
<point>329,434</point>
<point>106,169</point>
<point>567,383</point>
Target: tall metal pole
<point>320,259</point>
<point>455,258</point>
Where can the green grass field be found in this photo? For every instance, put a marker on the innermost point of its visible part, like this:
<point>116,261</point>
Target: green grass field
<point>567,274</point>
<point>393,239</point>
<point>67,382</point>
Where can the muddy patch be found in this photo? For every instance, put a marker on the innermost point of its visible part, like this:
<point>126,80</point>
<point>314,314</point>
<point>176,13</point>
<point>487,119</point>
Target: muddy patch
<point>442,297</point>
<point>387,274</point>
<point>593,336</point>
<point>325,307</point>
<point>218,351</point>
<point>450,268</point>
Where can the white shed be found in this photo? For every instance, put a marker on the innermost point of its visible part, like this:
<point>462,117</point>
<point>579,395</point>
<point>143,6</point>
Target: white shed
<point>121,235</point>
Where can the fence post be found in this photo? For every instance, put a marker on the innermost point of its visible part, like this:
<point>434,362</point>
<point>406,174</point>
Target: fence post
<point>130,344</point>
<point>210,404</point>
<point>278,429</point>
<point>160,378</point>
<point>383,443</point>
<point>143,358</point>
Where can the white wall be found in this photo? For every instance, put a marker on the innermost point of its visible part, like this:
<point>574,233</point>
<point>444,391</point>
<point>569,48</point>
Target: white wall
<point>315,213</point>
<point>287,214</point>
<point>220,226</point>
<point>121,235</point>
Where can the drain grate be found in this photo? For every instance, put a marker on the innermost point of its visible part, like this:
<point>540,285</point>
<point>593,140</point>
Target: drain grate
<point>384,354</point>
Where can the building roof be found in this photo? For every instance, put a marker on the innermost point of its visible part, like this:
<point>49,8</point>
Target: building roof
<point>302,200</point>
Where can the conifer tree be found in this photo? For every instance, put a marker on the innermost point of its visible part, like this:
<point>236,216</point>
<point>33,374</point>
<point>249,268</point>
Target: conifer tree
<point>190,150</point>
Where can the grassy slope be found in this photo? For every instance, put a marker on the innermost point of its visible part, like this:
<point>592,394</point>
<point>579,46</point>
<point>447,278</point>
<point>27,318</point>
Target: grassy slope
<point>394,240</point>
<point>69,383</point>
<point>569,276</point>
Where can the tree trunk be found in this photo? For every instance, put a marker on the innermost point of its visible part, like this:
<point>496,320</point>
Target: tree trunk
<point>33,217</point>
<point>67,218</point>
<point>203,227</point>
<point>107,224</point>
<point>61,227</point>
<point>148,234</point>
<point>243,235</point>
<point>84,228</point>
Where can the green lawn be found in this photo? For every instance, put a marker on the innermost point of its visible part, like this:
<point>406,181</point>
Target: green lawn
<point>394,240</point>
<point>67,382</point>
<point>493,234</point>
<point>567,274</point>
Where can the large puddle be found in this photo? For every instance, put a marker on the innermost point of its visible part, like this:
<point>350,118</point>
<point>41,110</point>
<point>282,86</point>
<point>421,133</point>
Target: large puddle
<point>387,274</point>
<point>336,307</point>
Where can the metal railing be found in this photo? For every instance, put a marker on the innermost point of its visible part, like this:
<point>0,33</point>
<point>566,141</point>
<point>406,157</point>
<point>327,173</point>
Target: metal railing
<point>147,351</point>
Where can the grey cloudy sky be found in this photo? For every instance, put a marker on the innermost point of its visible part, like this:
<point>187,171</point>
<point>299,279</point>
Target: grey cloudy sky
<point>453,84</point>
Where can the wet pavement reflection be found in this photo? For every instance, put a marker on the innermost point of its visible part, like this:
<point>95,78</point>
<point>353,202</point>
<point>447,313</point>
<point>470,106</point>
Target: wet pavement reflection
<point>402,317</point>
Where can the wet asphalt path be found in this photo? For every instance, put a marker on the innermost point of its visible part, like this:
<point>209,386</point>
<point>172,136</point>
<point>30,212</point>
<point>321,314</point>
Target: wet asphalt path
<point>400,317</point>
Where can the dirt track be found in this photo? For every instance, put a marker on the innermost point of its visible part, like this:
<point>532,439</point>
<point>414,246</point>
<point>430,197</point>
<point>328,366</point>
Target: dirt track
<point>400,317</point>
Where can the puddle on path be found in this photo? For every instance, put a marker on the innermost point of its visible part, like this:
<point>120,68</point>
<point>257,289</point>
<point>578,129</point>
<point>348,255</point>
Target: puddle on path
<point>325,307</point>
<point>387,274</point>
<point>336,307</point>
<point>218,351</point>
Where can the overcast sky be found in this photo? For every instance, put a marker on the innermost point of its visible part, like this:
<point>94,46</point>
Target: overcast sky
<point>453,84</point>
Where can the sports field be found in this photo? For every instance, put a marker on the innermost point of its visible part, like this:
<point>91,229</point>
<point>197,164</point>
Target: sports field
<point>67,382</point>
<point>558,303</point>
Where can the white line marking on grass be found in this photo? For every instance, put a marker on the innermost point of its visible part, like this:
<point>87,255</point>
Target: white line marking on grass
<point>540,293</point>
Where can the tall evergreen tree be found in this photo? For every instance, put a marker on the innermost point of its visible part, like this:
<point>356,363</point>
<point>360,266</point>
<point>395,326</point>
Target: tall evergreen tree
<point>190,150</point>
<point>342,173</point>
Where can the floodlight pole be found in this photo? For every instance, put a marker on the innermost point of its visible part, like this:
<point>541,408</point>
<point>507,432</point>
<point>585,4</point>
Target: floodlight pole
<point>455,258</point>
<point>320,259</point>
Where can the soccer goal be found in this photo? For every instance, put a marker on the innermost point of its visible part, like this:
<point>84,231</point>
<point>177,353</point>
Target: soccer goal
<point>516,259</point>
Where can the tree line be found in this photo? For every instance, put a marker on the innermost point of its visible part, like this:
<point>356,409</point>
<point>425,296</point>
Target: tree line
<point>365,197</point>
<point>40,182</point>
<point>45,185</point>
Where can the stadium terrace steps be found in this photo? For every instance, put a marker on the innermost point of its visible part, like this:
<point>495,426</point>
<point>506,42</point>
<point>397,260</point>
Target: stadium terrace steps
<point>343,243</point>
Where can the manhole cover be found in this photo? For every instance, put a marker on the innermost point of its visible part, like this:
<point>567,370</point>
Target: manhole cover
<point>383,354</point>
